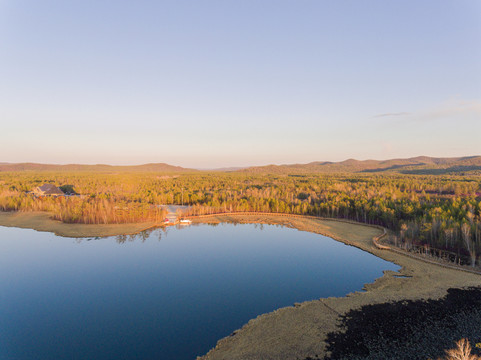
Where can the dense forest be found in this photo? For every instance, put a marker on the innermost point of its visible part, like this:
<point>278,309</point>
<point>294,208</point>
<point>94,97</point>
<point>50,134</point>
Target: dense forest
<point>433,211</point>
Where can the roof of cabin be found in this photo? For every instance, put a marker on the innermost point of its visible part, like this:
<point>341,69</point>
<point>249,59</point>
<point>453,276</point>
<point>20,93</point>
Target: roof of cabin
<point>50,189</point>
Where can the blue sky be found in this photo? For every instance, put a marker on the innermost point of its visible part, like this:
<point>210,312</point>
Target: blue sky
<point>234,83</point>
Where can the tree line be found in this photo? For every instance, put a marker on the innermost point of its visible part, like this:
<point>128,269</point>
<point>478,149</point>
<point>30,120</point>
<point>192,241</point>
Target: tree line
<point>434,211</point>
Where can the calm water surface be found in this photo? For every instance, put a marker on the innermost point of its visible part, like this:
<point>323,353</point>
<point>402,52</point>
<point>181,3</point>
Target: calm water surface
<point>161,295</point>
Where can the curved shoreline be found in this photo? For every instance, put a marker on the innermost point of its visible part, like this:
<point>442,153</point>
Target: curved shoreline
<point>299,331</point>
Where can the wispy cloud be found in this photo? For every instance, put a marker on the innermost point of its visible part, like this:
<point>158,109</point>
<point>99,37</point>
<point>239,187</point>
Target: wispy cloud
<point>391,114</point>
<point>452,109</point>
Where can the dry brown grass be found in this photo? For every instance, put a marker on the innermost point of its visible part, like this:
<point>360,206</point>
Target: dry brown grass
<point>42,221</point>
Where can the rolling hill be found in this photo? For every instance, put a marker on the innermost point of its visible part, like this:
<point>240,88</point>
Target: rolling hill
<point>415,165</point>
<point>155,167</point>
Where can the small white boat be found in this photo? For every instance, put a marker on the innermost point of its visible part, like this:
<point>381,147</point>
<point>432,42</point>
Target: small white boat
<point>185,222</point>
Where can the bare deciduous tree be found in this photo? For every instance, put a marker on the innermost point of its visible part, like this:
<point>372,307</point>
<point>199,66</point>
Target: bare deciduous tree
<point>461,352</point>
<point>466,231</point>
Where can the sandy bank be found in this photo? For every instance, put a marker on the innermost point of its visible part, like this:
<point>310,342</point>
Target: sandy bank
<point>300,331</point>
<point>41,221</point>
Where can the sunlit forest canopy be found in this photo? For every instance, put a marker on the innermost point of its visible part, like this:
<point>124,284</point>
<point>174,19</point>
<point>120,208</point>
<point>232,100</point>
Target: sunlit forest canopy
<point>441,211</point>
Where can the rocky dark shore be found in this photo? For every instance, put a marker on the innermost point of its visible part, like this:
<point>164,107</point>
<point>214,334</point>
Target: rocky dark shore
<point>408,329</point>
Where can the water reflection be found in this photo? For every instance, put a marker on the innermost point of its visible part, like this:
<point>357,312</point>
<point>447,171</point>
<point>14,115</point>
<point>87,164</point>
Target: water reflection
<point>143,235</point>
<point>158,233</point>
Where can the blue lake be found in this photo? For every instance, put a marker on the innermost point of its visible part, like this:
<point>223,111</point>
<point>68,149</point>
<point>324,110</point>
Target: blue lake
<point>164,294</point>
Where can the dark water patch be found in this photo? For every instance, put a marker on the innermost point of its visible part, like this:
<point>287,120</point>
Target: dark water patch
<point>409,329</point>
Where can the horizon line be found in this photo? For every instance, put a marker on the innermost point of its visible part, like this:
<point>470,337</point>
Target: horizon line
<point>236,167</point>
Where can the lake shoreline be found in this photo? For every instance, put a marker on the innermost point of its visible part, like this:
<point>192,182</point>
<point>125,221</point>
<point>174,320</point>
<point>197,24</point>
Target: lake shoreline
<point>299,331</point>
<point>42,221</point>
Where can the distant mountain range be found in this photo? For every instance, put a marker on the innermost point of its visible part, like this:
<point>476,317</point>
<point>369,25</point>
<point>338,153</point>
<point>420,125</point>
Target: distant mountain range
<point>157,167</point>
<point>415,165</point>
